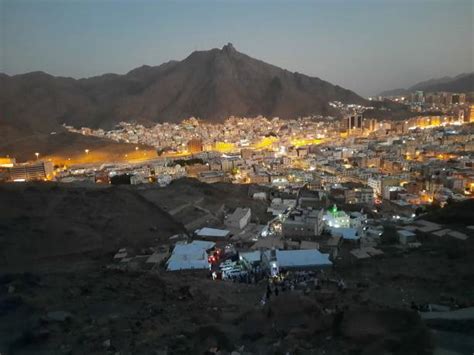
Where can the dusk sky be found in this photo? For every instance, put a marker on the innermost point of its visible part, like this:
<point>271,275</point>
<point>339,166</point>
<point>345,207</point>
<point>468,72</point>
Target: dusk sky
<point>367,46</point>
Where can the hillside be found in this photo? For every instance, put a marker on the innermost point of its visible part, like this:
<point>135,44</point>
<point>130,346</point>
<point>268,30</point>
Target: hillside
<point>211,84</point>
<point>66,147</point>
<point>44,222</point>
<point>456,213</point>
<point>57,291</point>
<point>463,83</point>
<point>196,204</point>
<point>50,221</point>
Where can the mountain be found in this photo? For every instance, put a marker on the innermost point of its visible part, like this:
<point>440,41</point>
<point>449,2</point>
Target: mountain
<point>460,83</point>
<point>211,84</point>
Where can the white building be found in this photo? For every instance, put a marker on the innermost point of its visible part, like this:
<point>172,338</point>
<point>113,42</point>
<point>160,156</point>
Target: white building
<point>357,220</point>
<point>303,223</point>
<point>279,206</point>
<point>260,196</point>
<point>239,219</point>
<point>337,219</point>
<point>376,184</point>
<point>212,233</point>
<point>405,236</point>
<point>138,178</point>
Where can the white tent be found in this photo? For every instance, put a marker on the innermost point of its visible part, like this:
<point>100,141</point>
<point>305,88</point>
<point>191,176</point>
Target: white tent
<point>190,256</point>
<point>301,258</point>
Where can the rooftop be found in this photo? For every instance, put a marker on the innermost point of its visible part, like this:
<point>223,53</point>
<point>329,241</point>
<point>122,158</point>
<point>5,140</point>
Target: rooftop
<point>189,256</point>
<point>302,258</point>
<point>212,232</point>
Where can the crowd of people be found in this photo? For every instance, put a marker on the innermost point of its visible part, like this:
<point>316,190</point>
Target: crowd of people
<point>289,281</point>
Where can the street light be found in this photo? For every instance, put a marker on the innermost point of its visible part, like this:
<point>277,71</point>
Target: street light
<point>37,155</point>
<point>136,148</point>
<point>87,151</point>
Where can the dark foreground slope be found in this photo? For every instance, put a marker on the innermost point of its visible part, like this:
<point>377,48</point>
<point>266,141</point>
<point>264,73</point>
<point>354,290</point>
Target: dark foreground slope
<point>67,309</point>
<point>49,222</point>
<point>180,313</point>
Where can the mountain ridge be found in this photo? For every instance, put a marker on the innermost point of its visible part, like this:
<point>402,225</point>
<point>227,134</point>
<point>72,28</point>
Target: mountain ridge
<point>462,83</point>
<point>210,84</point>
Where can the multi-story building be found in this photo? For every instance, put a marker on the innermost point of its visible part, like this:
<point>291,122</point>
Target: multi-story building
<point>469,117</point>
<point>359,195</point>
<point>42,170</point>
<point>239,219</point>
<point>352,122</point>
<point>370,124</point>
<point>458,99</point>
<point>195,145</point>
<point>417,97</point>
<point>211,177</point>
<point>303,223</point>
<point>378,183</point>
<point>7,162</point>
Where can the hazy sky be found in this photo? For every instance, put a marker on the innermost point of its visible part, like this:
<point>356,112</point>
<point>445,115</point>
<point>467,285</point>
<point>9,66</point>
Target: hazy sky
<point>366,45</point>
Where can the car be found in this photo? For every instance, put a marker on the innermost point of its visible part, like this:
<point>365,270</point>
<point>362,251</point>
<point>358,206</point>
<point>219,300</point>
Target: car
<point>228,267</point>
<point>228,263</point>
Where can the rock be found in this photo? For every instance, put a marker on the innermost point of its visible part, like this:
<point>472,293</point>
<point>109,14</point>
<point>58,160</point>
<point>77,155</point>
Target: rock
<point>102,322</point>
<point>59,316</point>
<point>32,336</point>
<point>65,349</point>
<point>10,304</point>
<point>106,344</point>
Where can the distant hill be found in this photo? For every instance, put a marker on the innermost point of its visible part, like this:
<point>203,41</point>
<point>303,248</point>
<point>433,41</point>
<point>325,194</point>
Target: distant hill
<point>460,83</point>
<point>62,145</point>
<point>212,85</point>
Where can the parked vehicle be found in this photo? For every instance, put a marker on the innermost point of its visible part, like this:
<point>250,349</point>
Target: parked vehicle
<point>227,265</point>
<point>228,268</point>
<point>233,273</point>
